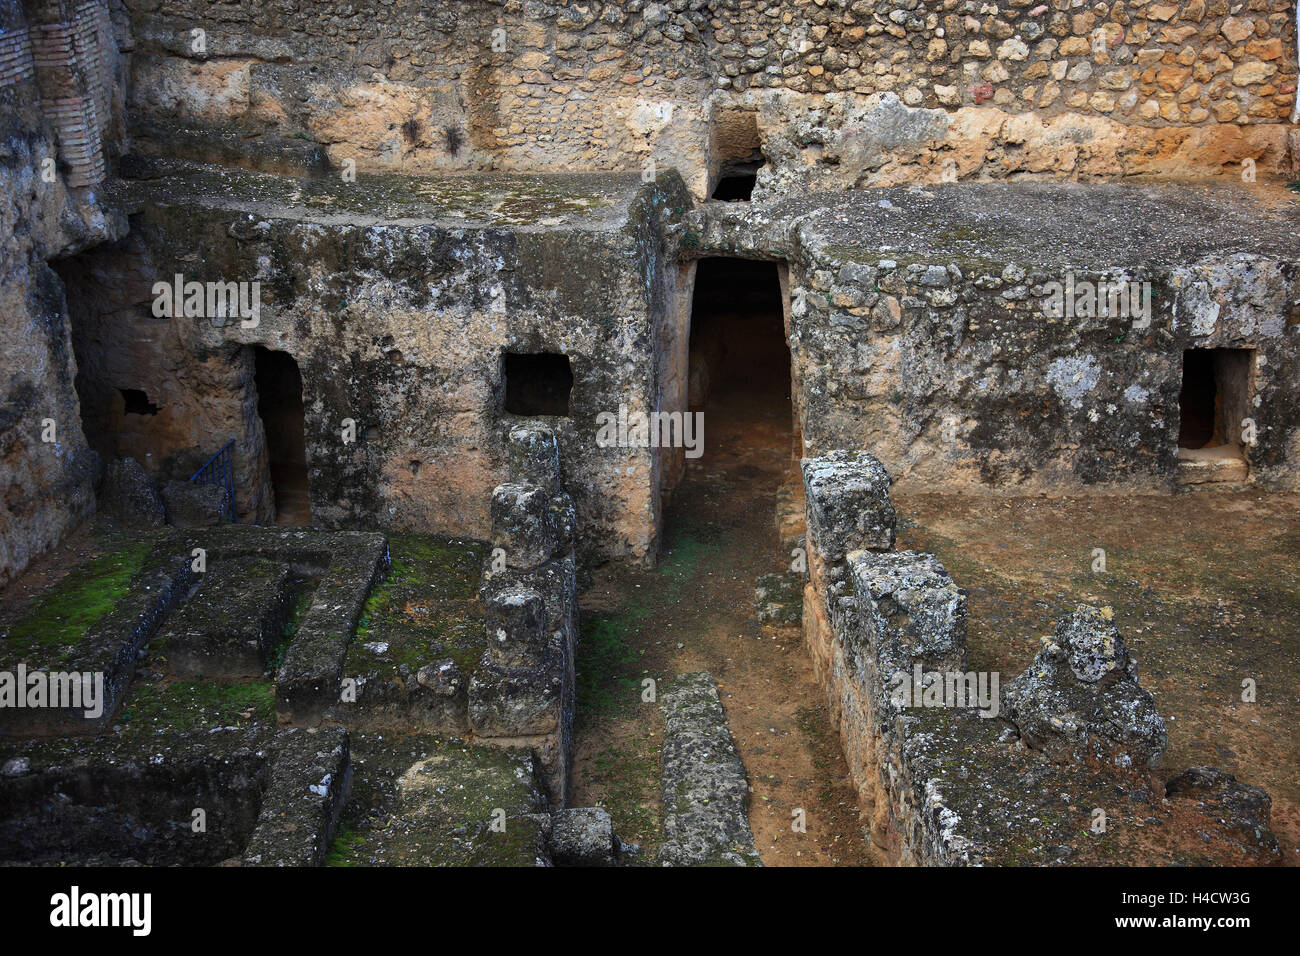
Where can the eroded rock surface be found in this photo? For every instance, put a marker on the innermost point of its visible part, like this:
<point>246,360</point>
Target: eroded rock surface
<point>705,790</point>
<point>1081,695</point>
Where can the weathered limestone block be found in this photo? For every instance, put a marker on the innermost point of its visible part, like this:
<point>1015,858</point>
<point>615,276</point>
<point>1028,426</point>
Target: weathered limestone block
<point>912,612</point>
<point>516,702</point>
<point>555,581</point>
<point>310,780</point>
<point>583,837</point>
<point>523,690</point>
<point>848,503</point>
<point>1081,691</point>
<point>129,496</point>
<point>529,525</point>
<point>516,627</point>
<point>309,680</point>
<point>443,677</point>
<point>533,456</point>
<point>705,791</point>
<point>1242,810</point>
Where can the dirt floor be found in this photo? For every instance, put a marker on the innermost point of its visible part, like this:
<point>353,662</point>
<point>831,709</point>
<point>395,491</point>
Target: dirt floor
<point>1204,591</point>
<point>696,611</point>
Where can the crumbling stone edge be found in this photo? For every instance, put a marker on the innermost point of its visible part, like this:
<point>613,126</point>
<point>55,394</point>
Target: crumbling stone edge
<point>522,694</point>
<point>933,779</point>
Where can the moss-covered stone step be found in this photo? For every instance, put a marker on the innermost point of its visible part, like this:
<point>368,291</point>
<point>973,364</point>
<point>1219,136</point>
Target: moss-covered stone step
<point>419,640</point>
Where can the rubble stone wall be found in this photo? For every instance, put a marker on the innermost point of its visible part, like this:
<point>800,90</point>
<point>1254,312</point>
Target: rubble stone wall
<point>843,92</point>
<point>955,767</point>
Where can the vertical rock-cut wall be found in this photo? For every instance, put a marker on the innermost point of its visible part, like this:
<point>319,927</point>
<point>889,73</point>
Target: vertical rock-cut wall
<point>47,471</point>
<point>399,326</point>
<point>202,399</point>
<point>919,325</point>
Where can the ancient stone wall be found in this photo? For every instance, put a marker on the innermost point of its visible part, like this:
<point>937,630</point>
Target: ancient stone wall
<point>47,156</point>
<point>843,93</point>
<point>523,691</point>
<point>922,326</point>
<point>196,400</point>
<point>400,326</point>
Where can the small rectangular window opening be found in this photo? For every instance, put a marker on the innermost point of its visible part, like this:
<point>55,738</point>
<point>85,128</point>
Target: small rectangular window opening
<point>136,402</point>
<point>736,155</point>
<point>537,383</point>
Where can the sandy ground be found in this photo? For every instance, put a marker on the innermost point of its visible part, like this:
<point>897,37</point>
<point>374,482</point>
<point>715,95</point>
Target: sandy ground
<point>1204,591</point>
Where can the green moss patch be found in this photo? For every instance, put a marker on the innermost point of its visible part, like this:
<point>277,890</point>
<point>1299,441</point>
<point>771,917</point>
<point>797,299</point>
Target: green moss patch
<point>426,608</point>
<point>167,706</point>
<point>626,776</point>
<point>54,625</point>
<point>609,670</point>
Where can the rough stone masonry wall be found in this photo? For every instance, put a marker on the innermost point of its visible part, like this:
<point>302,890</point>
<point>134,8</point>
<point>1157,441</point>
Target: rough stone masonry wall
<point>420,87</point>
<point>1052,90</point>
<point>1004,780</point>
<point>844,92</point>
<point>962,379</point>
<point>46,486</point>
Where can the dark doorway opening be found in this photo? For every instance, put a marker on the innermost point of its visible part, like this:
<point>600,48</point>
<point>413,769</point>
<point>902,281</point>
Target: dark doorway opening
<point>739,359</point>
<point>1214,401</point>
<point>537,383</point>
<point>280,405</point>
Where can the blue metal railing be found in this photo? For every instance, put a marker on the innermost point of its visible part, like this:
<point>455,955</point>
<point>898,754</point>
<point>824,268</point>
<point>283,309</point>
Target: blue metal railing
<point>219,470</point>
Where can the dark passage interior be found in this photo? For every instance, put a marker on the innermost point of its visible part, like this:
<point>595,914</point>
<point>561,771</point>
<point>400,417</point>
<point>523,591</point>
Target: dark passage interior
<point>537,383</point>
<point>719,539</point>
<point>736,184</point>
<point>739,359</point>
<point>736,147</point>
<point>739,379</point>
<point>1214,399</point>
<point>279,403</point>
